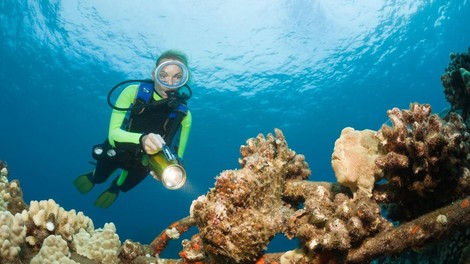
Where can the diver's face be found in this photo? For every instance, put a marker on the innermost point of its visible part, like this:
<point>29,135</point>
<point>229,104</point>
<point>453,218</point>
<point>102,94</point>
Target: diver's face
<point>171,74</point>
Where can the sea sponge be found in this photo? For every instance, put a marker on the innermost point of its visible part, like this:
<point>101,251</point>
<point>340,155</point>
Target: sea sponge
<point>54,250</point>
<point>102,244</point>
<point>353,160</point>
<point>12,235</point>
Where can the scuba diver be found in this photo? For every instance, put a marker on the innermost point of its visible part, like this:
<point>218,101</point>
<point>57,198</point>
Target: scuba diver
<point>148,132</point>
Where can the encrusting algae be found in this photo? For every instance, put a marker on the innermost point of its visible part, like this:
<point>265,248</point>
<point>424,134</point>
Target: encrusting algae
<point>400,190</point>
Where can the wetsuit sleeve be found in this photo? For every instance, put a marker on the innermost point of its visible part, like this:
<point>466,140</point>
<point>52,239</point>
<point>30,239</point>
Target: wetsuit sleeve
<point>185,129</point>
<point>117,136</point>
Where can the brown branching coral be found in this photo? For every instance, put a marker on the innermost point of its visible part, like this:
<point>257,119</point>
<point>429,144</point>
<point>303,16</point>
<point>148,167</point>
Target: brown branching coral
<point>424,160</point>
<point>238,218</point>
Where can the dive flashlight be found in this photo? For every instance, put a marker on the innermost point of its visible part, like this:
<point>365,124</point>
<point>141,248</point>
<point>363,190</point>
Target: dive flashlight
<point>167,169</point>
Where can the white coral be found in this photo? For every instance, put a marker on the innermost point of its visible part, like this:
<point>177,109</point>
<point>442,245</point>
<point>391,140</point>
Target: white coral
<point>5,187</point>
<point>54,250</point>
<point>4,174</point>
<point>172,233</point>
<point>292,256</point>
<point>12,235</point>
<point>102,245</point>
<point>47,214</point>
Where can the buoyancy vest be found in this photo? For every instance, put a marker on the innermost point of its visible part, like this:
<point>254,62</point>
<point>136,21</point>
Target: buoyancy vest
<point>162,117</point>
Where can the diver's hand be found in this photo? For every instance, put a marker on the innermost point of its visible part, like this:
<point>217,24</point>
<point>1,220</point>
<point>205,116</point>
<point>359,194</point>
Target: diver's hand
<point>152,143</point>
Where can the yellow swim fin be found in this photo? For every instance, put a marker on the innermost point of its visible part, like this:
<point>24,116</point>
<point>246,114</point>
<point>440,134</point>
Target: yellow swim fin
<point>108,197</point>
<point>83,183</point>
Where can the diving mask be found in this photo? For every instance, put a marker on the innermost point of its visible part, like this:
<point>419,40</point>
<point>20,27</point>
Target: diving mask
<point>172,74</point>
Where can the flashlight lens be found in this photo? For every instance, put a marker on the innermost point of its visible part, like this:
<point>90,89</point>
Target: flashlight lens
<point>173,177</point>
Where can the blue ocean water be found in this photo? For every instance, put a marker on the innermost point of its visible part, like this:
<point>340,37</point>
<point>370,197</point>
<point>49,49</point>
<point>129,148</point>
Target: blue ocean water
<point>310,68</point>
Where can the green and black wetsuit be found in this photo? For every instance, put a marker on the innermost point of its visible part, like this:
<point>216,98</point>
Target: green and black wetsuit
<point>123,149</point>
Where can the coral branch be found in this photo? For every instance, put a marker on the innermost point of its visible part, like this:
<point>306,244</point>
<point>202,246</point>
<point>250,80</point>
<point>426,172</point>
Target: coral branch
<point>180,226</point>
<point>421,231</point>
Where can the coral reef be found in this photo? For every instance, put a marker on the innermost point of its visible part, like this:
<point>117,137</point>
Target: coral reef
<point>101,244</point>
<point>45,218</point>
<point>11,196</point>
<point>424,160</point>
<point>333,222</point>
<point>456,82</point>
<point>44,232</point>
<point>54,250</point>
<point>244,211</point>
<point>12,235</point>
<point>402,189</point>
<point>270,195</point>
